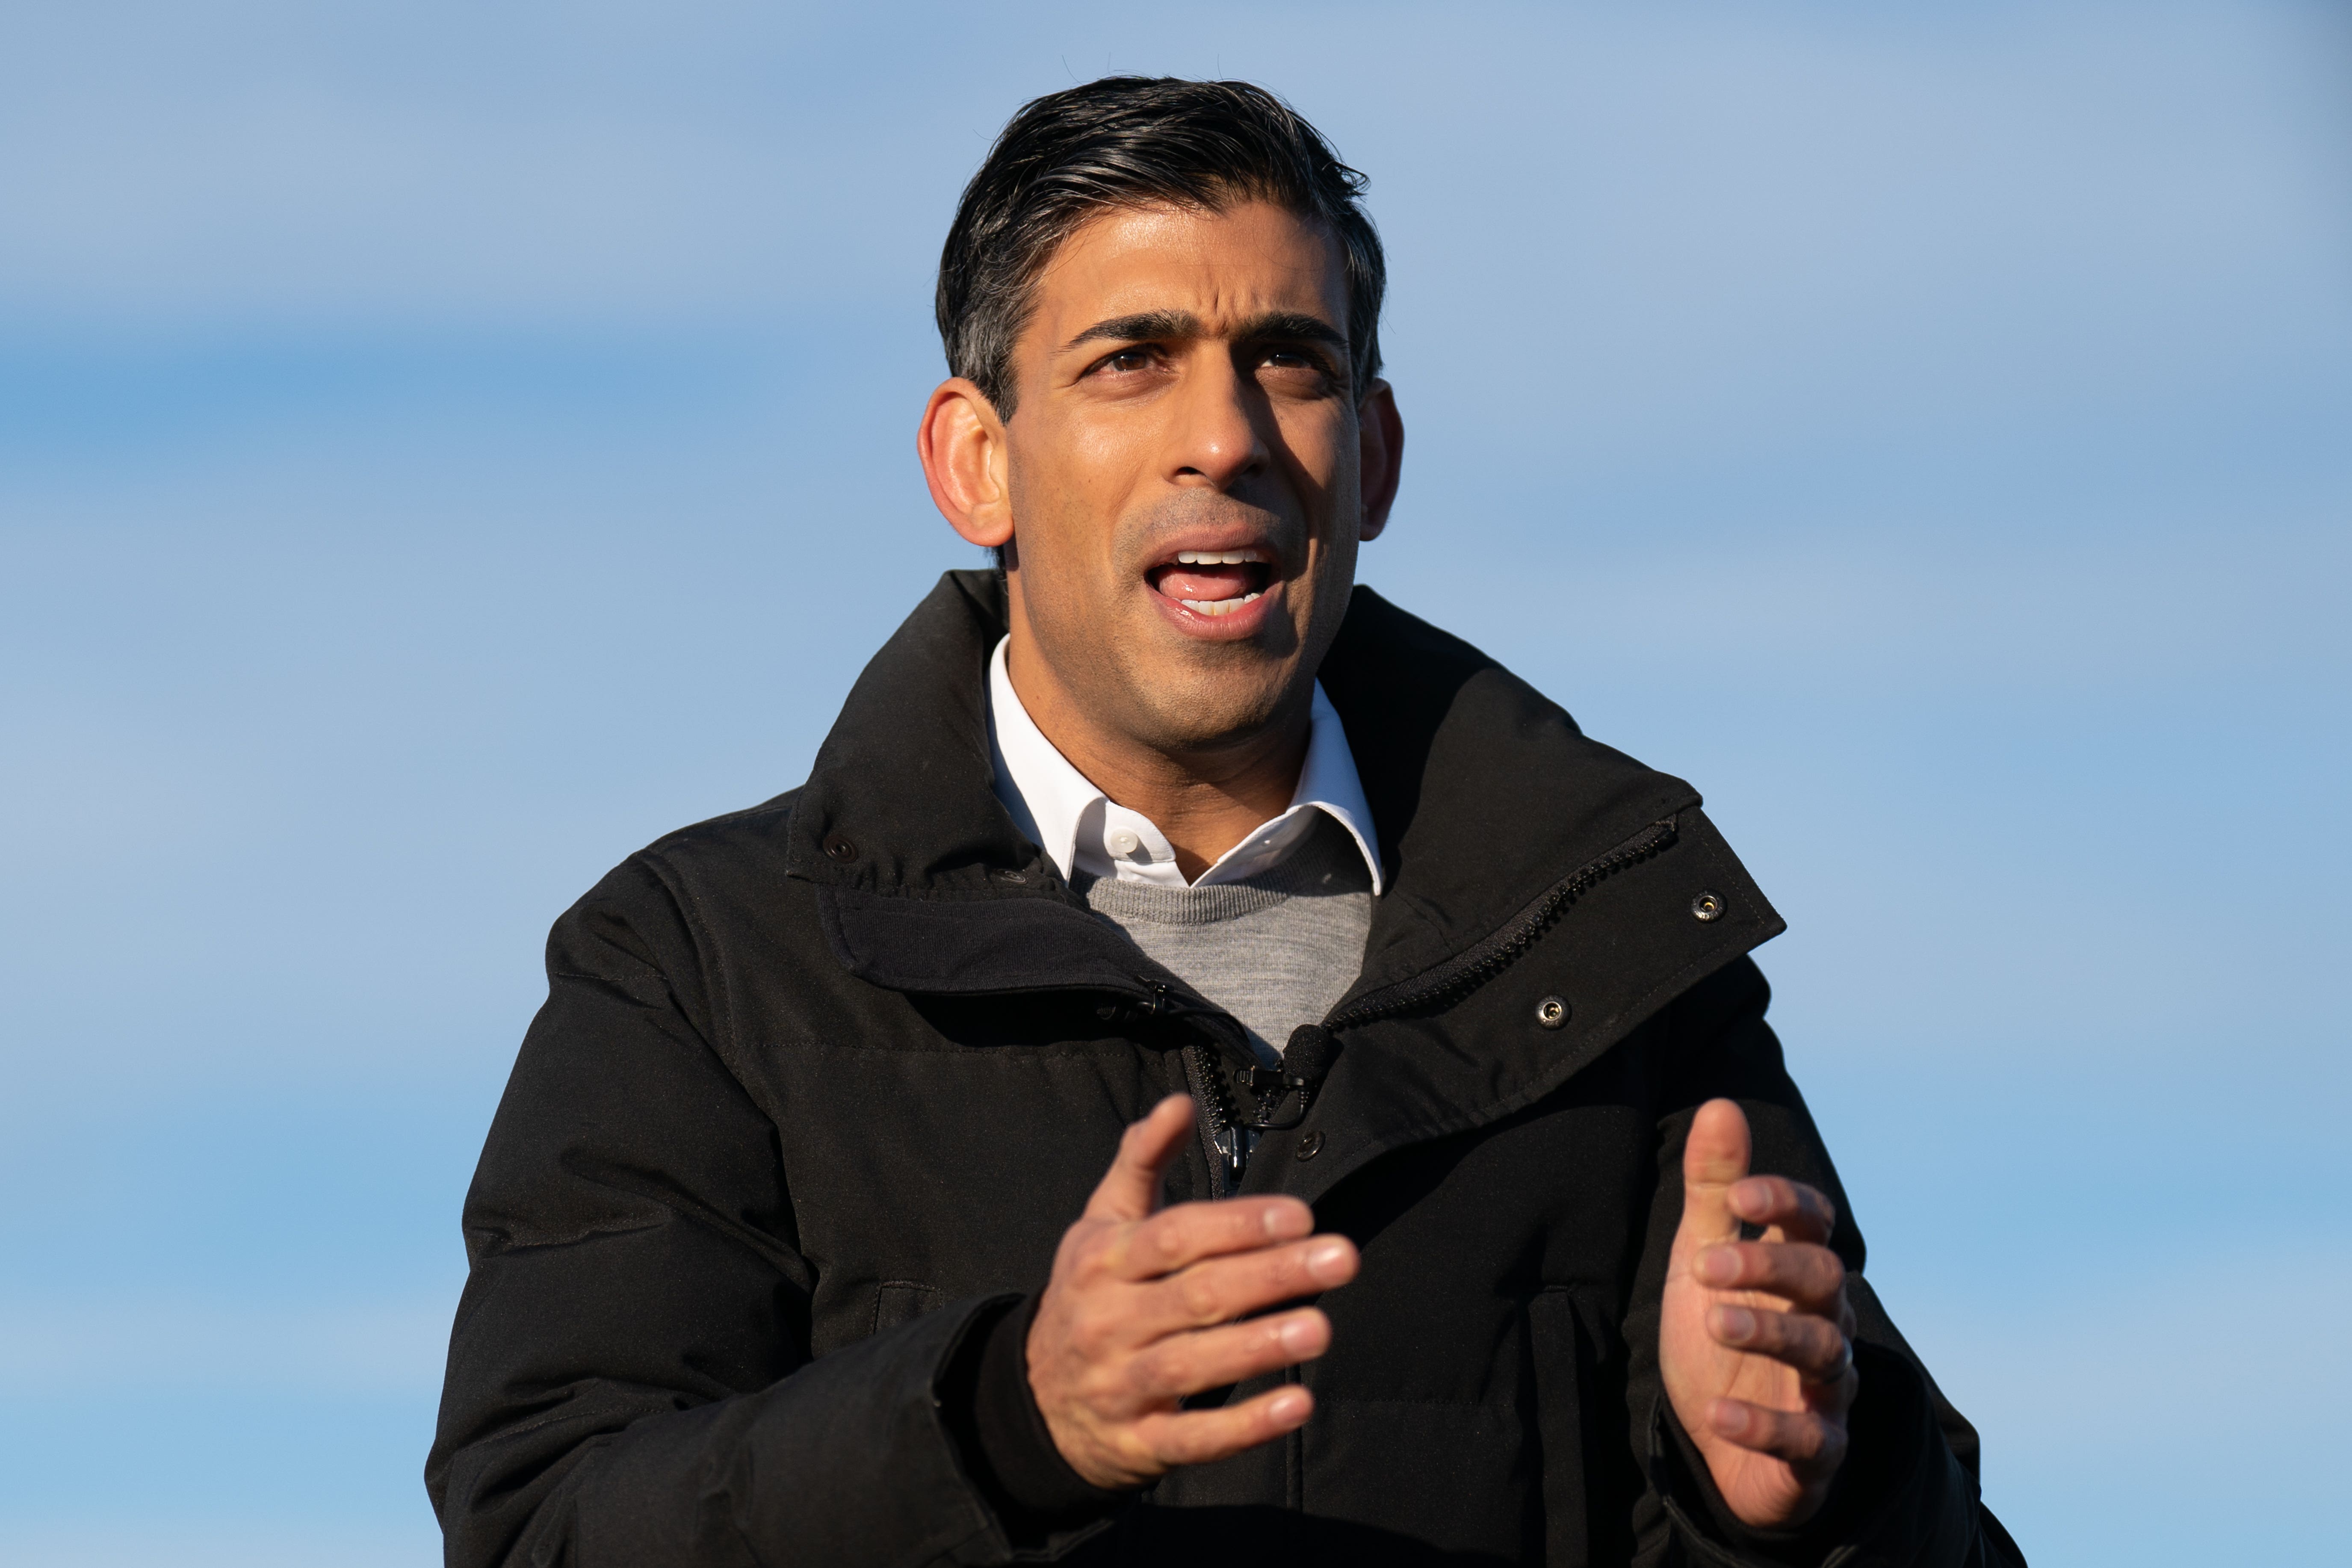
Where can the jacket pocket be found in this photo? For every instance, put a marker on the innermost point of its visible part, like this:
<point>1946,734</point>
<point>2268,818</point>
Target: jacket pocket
<point>1590,1481</point>
<point>898,1301</point>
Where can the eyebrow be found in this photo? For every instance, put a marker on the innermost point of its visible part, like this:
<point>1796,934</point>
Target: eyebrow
<point>1278,326</point>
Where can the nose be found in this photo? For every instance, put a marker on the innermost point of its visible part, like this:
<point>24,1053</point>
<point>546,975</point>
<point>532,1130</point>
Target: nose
<point>1216,441</point>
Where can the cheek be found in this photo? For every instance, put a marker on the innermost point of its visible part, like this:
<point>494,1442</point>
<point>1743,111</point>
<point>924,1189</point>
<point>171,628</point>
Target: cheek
<point>1321,447</point>
<point>1065,499</point>
<point>1068,475</point>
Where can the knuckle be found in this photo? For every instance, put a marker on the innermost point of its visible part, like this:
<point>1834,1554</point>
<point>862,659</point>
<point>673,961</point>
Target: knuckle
<point>1834,1444</point>
<point>1089,1392</point>
<point>1155,1241</point>
<point>1089,1333</point>
<point>1090,1254</point>
<point>1198,1297</point>
<point>1156,1370</point>
<point>1287,1276</point>
<point>1181,1364</point>
<point>1138,1451</point>
<point>1108,1388</point>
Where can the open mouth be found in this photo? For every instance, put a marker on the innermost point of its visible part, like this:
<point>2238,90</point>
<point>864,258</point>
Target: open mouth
<point>1214,582</point>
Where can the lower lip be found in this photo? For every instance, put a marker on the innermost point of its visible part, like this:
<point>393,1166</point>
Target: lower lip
<point>1232,626</point>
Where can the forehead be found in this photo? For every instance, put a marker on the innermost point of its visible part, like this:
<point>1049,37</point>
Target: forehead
<point>1223,268</point>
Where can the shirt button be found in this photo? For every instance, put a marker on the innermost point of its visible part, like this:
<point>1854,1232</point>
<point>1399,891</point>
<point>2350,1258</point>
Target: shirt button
<point>1123,841</point>
<point>1309,1146</point>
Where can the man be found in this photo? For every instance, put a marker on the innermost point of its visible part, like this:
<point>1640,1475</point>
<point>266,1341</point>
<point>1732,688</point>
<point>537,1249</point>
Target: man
<point>1209,1069</point>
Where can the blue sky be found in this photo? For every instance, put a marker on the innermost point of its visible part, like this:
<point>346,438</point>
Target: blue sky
<point>443,448</point>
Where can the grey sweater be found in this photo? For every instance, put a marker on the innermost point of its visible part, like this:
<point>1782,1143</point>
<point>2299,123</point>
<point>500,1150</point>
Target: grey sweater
<point>1275,950</point>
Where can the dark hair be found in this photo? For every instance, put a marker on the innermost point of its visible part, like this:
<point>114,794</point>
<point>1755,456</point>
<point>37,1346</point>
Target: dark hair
<point>1127,142</point>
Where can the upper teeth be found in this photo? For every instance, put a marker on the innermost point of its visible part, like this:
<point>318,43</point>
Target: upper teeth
<point>1220,557</point>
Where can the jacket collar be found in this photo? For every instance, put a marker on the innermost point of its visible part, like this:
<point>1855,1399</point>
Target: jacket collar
<point>1484,792</point>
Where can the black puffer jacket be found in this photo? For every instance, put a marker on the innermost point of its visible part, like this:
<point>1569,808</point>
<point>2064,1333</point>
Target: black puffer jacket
<point>819,1085</point>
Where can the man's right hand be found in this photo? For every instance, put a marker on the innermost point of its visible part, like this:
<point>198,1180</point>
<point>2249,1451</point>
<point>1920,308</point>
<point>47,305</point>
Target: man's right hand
<point>1140,1311</point>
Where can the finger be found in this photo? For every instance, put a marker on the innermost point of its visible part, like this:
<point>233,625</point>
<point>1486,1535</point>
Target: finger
<point>1809,1276</point>
<point>1220,1290</point>
<point>1186,1363</point>
<point>1131,1188</point>
<point>1812,1346</point>
<point>1203,1437</point>
<point>1177,1237</point>
<point>1808,1444</point>
<point>1801,1213</point>
<point>1715,1155</point>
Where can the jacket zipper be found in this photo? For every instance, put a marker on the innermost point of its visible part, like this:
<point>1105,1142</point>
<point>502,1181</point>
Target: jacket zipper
<point>1221,1139</point>
<point>1498,952</point>
<point>1221,1135</point>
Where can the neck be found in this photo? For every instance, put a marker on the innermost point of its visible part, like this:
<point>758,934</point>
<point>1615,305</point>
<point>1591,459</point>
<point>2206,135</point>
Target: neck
<point>1205,798</point>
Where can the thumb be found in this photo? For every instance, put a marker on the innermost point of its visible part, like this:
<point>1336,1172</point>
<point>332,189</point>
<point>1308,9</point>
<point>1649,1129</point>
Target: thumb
<point>1130,1190</point>
<point>1715,1155</point>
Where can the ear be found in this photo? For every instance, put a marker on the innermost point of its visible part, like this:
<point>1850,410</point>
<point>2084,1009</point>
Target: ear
<point>1380,458</point>
<point>962,444</point>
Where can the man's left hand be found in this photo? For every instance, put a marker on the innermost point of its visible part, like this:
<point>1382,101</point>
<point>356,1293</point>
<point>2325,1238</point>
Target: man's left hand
<point>1753,1343</point>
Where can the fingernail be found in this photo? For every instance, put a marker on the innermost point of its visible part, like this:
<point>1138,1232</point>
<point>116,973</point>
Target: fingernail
<point>1283,1219</point>
<point>1299,1334</point>
<point>1717,1266</point>
<point>1730,1418</point>
<point>1735,1325</point>
<point>1749,1197</point>
<point>1289,1407</point>
<point>1329,1261</point>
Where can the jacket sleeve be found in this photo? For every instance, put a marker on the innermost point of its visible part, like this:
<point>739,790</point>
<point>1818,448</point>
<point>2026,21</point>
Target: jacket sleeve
<point>629,1378</point>
<point>1907,1496</point>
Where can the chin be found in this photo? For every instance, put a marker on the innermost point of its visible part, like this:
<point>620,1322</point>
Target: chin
<point>1211,704</point>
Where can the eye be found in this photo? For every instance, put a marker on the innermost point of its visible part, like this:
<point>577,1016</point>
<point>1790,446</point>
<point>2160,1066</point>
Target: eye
<point>1127,362</point>
<point>1297,367</point>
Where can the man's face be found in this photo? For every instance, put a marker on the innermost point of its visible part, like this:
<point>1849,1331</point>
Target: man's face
<point>1184,469</point>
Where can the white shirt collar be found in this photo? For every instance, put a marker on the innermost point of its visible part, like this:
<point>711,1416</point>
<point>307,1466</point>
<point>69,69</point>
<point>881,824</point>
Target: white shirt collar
<point>1085,830</point>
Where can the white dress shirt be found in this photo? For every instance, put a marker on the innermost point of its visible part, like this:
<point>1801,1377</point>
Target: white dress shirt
<point>1085,830</point>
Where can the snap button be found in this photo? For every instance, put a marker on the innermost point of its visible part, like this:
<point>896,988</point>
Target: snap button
<point>1552,1011</point>
<point>1123,841</point>
<point>1310,1145</point>
<point>1706,907</point>
<point>1017,878</point>
<point>840,849</point>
